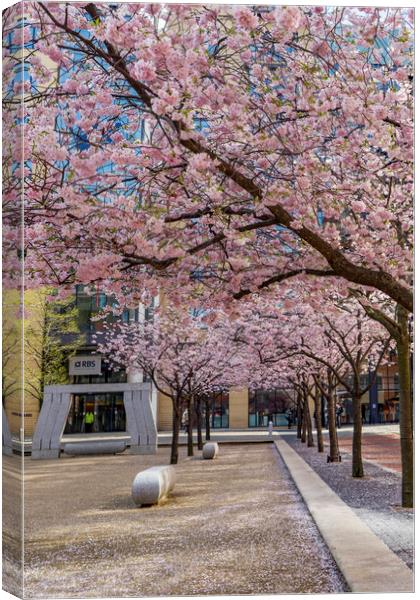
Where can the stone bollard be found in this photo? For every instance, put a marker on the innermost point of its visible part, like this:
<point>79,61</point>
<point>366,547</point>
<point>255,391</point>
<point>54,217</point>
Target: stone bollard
<point>153,485</point>
<point>270,428</point>
<point>210,450</point>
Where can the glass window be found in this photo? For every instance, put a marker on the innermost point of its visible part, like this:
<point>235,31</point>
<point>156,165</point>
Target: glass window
<point>94,413</point>
<point>219,410</point>
<point>267,405</point>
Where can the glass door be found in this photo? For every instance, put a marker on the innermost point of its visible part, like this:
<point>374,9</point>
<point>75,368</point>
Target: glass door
<point>95,413</point>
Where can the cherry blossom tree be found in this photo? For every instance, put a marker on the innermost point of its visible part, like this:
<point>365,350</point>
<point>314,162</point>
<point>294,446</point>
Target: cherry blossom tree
<point>359,345</point>
<point>247,145</point>
<point>326,382</point>
<point>215,153</point>
<point>396,320</point>
<point>182,356</point>
<point>337,336</point>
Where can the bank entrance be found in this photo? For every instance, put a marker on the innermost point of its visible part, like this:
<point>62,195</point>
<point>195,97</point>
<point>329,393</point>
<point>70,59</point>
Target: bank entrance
<point>110,406</point>
<point>95,413</point>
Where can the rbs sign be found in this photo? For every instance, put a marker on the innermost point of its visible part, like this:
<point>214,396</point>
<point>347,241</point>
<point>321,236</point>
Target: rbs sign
<point>85,365</point>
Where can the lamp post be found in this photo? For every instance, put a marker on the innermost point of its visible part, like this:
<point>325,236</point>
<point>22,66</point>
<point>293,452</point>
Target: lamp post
<point>373,395</point>
<point>392,399</point>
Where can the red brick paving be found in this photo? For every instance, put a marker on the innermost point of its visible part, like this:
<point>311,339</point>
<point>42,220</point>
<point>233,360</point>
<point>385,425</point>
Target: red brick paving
<point>381,449</point>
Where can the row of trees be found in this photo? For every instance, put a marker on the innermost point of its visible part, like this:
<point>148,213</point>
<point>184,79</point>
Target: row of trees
<point>189,355</point>
<point>238,159</point>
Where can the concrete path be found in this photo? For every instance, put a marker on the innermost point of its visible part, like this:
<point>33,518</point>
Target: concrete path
<point>375,498</point>
<point>366,563</point>
<point>232,526</point>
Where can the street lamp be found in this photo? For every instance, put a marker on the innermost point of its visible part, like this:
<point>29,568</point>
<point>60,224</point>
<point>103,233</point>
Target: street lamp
<point>373,393</point>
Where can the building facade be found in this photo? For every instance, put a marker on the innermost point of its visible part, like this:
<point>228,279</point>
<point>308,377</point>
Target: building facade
<point>234,408</point>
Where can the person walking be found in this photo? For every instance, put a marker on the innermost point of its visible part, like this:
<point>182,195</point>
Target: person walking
<point>184,420</point>
<point>89,420</point>
<point>338,412</point>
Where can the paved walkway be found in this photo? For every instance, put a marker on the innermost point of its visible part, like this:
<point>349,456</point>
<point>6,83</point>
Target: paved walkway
<point>376,498</point>
<point>235,525</point>
<point>380,446</point>
<point>366,562</point>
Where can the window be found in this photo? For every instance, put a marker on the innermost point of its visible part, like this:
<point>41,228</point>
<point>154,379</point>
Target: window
<point>218,403</point>
<point>267,405</point>
<point>107,410</point>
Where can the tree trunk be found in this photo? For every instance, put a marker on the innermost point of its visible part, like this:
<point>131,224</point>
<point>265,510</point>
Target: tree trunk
<point>304,421</point>
<point>406,412</point>
<point>207,420</point>
<point>318,420</point>
<point>309,434</point>
<point>357,463</point>
<point>299,417</point>
<point>198,417</point>
<point>334,455</point>
<point>190,427</point>
<point>176,422</point>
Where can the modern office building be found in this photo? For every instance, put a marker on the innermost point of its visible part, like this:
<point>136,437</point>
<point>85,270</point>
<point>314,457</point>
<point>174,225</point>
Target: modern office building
<point>380,404</point>
<point>229,409</point>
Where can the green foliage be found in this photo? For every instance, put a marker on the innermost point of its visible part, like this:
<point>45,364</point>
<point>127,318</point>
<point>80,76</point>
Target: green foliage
<point>52,335</point>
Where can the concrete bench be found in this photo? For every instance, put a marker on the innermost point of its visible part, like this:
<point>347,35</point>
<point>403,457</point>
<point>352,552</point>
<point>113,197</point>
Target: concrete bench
<point>98,447</point>
<point>153,485</point>
<point>210,450</point>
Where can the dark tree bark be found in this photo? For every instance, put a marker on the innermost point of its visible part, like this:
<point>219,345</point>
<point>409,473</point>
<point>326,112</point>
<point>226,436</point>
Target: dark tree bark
<point>176,422</point>
<point>304,420</point>
<point>299,416</point>
<point>190,427</point>
<point>357,461</point>
<point>309,434</point>
<point>327,389</point>
<point>406,409</point>
<point>198,419</point>
<point>334,455</point>
<point>207,419</point>
<point>318,420</point>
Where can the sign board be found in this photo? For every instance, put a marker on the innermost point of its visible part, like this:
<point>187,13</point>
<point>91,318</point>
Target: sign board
<point>85,365</point>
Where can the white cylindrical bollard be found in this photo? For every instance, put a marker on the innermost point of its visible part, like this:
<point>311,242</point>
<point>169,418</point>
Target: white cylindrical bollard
<point>210,450</point>
<point>153,485</point>
<point>270,428</point>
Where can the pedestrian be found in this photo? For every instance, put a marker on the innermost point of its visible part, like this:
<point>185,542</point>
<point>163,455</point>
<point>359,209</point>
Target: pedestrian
<point>184,420</point>
<point>338,412</point>
<point>89,420</point>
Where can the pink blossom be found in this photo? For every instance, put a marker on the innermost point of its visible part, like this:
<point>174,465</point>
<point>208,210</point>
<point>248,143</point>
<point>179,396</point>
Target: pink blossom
<point>246,19</point>
<point>145,71</point>
<point>288,17</point>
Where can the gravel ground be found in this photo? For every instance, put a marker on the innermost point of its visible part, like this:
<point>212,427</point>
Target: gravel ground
<point>236,525</point>
<point>12,531</point>
<point>376,498</point>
